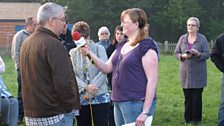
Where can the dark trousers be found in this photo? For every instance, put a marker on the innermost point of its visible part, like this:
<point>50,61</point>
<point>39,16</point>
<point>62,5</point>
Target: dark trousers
<point>111,115</point>
<point>19,96</point>
<point>100,115</point>
<point>193,104</point>
<point>221,108</point>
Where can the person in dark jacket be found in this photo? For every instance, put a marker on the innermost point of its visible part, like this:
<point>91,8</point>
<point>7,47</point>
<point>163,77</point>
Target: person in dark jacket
<point>217,57</point>
<point>50,91</point>
<point>66,36</point>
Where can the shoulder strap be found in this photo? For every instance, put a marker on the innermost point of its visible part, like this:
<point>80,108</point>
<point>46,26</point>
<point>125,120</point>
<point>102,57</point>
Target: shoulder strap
<point>97,53</point>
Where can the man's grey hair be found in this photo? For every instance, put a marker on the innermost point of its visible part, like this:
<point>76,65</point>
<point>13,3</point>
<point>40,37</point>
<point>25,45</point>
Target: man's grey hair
<point>47,11</point>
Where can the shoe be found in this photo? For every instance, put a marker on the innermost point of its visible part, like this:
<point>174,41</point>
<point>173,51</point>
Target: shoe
<point>185,122</point>
<point>196,123</point>
<point>19,122</point>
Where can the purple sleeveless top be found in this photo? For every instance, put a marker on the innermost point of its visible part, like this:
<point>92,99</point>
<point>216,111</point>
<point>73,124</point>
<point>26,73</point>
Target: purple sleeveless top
<point>129,80</point>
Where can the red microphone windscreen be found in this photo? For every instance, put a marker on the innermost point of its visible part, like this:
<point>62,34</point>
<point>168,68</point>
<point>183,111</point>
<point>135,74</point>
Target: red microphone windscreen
<point>76,36</point>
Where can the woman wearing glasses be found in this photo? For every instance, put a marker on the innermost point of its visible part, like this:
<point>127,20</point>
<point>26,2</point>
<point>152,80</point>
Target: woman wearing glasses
<point>104,37</point>
<point>192,51</point>
<point>134,65</point>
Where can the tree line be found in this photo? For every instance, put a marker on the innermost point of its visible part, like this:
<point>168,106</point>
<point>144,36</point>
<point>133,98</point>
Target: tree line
<point>167,18</point>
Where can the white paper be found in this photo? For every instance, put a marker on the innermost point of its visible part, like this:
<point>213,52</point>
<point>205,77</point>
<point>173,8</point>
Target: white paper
<point>148,122</point>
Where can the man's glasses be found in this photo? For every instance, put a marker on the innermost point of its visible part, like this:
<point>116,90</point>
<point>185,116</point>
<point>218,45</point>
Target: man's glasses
<point>61,19</point>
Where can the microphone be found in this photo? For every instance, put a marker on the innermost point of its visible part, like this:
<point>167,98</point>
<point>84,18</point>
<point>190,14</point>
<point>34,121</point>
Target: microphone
<point>79,41</point>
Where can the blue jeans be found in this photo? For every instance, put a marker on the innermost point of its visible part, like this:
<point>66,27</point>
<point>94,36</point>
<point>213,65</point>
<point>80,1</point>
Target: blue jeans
<point>9,109</point>
<point>128,111</point>
<point>66,121</point>
<point>221,108</point>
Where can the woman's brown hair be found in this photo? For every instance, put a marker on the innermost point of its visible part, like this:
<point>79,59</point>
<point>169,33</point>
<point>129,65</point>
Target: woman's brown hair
<point>83,28</point>
<point>118,28</point>
<point>136,15</point>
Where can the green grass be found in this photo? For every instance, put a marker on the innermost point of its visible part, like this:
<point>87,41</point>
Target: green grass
<point>10,75</point>
<point>170,103</point>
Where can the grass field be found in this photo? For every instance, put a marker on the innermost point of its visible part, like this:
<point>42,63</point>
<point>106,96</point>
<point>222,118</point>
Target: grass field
<point>170,103</point>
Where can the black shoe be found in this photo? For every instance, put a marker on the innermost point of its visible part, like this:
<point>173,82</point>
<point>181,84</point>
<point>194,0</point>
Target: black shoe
<point>20,122</point>
<point>185,122</point>
<point>196,123</point>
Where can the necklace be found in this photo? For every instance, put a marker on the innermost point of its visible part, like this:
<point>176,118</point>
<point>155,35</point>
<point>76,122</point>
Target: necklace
<point>127,48</point>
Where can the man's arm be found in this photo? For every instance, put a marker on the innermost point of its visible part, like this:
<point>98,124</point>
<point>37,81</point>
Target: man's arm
<point>62,74</point>
<point>16,45</point>
<point>2,65</point>
<point>217,54</point>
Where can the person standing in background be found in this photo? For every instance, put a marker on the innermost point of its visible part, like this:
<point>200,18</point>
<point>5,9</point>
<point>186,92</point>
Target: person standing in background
<point>17,42</point>
<point>66,36</point>
<point>147,28</point>
<point>217,57</point>
<point>118,37</point>
<point>104,37</point>
<point>192,51</point>
<point>8,104</point>
<point>92,83</point>
<point>49,90</point>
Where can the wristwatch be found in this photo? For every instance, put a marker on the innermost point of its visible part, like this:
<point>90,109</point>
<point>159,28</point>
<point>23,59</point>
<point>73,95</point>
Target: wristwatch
<point>145,113</point>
